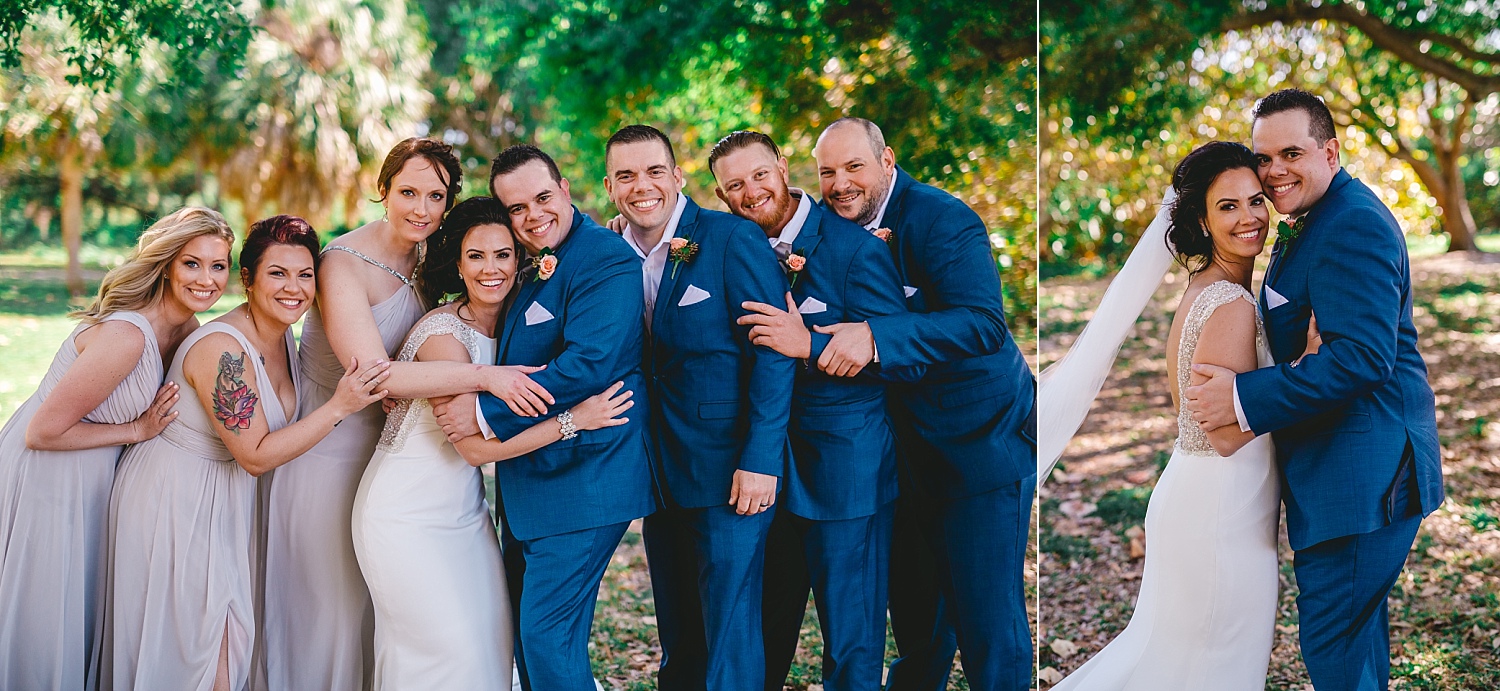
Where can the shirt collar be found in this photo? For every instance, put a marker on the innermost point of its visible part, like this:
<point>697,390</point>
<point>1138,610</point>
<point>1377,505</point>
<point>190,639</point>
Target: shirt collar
<point>666,236</point>
<point>875,224</point>
<point>794,227</point>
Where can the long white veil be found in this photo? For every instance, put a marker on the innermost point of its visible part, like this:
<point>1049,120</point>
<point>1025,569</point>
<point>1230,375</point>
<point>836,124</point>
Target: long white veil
<point>1067,389</point>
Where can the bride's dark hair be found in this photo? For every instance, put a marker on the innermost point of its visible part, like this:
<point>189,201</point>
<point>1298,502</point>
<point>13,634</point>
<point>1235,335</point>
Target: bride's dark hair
<point>439,271</point>
<point>1188,237</point>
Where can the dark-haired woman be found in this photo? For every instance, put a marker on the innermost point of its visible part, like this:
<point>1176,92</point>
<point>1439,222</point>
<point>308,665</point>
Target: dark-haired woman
<point>58,451</point>
<point>317,618</point>
<point>178,585</point>
<point>421,527</point>
<point>1205,615</point>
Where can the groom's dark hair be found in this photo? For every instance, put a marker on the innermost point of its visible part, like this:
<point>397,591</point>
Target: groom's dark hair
<point>1319,120</point>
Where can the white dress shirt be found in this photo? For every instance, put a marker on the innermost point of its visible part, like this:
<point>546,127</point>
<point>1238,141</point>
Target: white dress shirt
<point>875,224</point>
<point>654,261</point>
<point>782,243</point>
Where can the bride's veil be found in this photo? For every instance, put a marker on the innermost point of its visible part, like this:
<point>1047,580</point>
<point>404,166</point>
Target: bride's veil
<point>1067,388</point>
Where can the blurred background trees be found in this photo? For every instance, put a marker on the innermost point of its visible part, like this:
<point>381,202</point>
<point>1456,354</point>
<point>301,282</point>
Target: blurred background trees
<point>1129,88</point>
<point>114,112</point>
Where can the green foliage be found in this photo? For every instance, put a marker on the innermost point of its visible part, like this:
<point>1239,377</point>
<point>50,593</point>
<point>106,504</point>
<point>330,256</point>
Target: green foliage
<point>111,34</point>
<point>951,83</point>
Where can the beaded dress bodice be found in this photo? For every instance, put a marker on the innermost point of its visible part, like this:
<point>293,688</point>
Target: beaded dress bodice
<point>1191,439</point>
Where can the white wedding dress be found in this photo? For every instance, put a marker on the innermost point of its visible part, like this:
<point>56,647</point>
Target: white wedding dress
<point>1206,612</point>
<point>428,550</point>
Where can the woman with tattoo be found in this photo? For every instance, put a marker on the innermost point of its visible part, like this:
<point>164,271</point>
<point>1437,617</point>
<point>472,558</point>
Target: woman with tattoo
<point>421,527</point>
<point>58,451</point>
<point>318,623</point>
<point>179,563</point>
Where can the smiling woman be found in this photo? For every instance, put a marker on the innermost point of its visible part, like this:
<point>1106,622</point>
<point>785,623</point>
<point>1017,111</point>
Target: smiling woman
<point>178,573</point>
<point>58,452</point>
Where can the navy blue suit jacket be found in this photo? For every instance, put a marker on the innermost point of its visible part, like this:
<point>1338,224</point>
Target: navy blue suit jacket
<point>976,407</point>
<point>1342,418</point>
<point>718,404</point>
<point>592,340</point>
<point>843,450</point>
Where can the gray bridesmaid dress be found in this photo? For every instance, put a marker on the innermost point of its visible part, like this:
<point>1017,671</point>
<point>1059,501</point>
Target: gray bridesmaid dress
<point>52,518</point>
<point>319,620</point>
<point>180,553</point>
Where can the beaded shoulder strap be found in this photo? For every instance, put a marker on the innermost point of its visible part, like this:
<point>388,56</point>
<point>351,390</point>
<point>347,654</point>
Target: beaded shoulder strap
<point>373,262</point>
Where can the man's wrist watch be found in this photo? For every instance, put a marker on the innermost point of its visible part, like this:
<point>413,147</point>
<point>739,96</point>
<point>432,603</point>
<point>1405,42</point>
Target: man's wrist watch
<point>565,421</point>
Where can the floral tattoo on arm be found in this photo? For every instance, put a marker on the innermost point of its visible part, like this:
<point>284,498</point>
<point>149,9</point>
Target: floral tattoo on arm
<point>234,402</point>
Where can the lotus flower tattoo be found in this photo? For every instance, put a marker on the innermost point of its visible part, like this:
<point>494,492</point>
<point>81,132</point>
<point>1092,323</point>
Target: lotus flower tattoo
<point>234,402</point>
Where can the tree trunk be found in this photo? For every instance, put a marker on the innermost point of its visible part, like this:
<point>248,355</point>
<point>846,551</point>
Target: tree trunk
<point>1453,202</point>
<point>70,179</point>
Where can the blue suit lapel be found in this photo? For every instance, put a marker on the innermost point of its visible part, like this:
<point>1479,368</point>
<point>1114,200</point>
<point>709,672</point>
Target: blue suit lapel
<point>1279,261</point>
<point>895,216</point>
<point>530,285</point>
<point>809,237</point>
<point>686,225</point>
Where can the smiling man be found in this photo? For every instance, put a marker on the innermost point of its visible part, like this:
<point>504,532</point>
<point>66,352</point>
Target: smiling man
<point>833,533</point>
<point>965,433</point>
<point>1354,422</point>
<point>566,505</point>
<point>719,410</point>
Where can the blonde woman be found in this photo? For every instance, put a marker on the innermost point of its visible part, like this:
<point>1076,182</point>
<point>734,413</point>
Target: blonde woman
<point>58,452</point>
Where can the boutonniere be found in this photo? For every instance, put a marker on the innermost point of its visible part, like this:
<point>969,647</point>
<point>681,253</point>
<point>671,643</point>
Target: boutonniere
<point>1287,232</point>
<point>544,263</point>
<point>885,234</point>
<point>794,262</point>
<point>682,251</point>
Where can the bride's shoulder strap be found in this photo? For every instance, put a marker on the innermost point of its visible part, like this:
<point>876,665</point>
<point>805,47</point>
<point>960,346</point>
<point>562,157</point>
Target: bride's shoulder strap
<point>436,324</point>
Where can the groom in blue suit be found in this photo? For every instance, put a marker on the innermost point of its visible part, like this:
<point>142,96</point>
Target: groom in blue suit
<point>833,531</point>
<point>566,505</point>
<point>966,433</point>
<point>1354,422</point>
<point>719,409</point>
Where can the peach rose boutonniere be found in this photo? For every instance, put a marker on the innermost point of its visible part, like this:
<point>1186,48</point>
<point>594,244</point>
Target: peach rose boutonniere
<point>794,263</point>
<point>681,251</point>
<point>885,234</point>
<point>544,263</point>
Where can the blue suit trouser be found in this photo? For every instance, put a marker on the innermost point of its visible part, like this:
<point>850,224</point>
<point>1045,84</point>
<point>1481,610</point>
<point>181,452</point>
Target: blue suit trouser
<point>957,580</point>
<point>844,564</point>
<point>1343,588</point>
<point>554,582</point>
<point>706,572</point>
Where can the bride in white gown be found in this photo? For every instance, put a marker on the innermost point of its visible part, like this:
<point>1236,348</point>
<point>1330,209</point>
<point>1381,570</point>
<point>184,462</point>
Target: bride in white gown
<point>421,528</point>
<point>1205,615</point>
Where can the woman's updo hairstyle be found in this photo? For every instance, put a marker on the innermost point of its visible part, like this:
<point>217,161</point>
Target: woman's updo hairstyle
<point>439,270</point>
<point>437,154</point>
<point>1188,236</point>
<point>276,230</point>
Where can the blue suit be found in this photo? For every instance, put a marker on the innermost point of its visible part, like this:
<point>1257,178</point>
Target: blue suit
<point>718,404</point>
<point>1354,425</point>
<point>833,531</point>
<point>567,504</point>
<point>966,436</point>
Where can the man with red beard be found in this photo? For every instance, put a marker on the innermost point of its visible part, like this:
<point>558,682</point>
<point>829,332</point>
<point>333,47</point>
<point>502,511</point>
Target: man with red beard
<point>833,533</point>
<point>966,433</point>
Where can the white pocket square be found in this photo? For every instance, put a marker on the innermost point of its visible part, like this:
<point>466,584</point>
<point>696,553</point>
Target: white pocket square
<point>692,296</point>
<point>1274,299</point>
<point>910,291</point>
<point>812,305</point>
<point>536,314</point>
